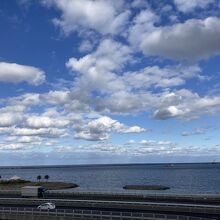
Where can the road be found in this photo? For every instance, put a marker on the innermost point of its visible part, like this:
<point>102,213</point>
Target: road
<point>79,201</point>
<point>107,214</point>
<point>115,206</point>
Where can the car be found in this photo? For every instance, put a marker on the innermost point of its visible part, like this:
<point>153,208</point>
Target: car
<point>47,206</point>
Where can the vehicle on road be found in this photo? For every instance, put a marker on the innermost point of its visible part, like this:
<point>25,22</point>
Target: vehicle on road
<point>32,191</point>
<point>46,206</point>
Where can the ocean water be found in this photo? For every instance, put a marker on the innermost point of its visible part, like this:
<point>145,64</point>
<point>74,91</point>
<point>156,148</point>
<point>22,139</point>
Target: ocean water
<point>181,178</point>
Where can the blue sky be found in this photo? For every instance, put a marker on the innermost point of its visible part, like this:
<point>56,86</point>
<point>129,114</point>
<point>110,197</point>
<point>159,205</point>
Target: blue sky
<point>100,81</point>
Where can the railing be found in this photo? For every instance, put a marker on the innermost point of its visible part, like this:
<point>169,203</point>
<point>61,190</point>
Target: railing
<point>132,193</point>
<point>135,195</point>
<point>120,195</point>
<point>95,214</point>
<point>150,206</point>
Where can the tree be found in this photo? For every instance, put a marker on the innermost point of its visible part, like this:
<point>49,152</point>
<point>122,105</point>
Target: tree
<point>39,178</point>
<point>46,177</point>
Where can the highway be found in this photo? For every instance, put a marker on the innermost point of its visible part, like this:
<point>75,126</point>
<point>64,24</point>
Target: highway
<point>117,207</point>
<point>80,201</point>
<point>104,214</point>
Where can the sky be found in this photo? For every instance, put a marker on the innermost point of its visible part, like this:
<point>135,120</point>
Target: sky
<point>109,81</point>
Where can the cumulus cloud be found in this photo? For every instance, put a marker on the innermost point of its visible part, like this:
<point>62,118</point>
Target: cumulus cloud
<point>169,112</point>
<point>179,42</point>
<point>12,147</point>
<point>96,70</point>
<point>143,23</point>
<point>45,122</point>
<point>185,104</point>
<point>100,129</point>
<point>156,76</point>
<point>105,17</point>
<point>9,119</point>
<point>189,6</point>
<point>56,97</point>
<point>16,73</point>
<point>86,46</point>
<point>120,92</point>
<point>41,132</point>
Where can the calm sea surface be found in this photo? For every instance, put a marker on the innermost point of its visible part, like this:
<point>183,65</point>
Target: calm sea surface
<point>181,178</point>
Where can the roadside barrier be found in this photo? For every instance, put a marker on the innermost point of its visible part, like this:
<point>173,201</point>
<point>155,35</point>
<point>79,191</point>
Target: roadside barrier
<point>95,214</point>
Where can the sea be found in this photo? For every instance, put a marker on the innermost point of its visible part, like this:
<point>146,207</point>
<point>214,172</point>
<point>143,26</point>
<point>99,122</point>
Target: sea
<point>182,178</point>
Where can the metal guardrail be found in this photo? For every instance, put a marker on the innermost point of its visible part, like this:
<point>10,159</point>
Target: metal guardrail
<point>95,214</point>
<point>150,206</point>
<point>107,202</point>
<point>215,198</point>
<point>116,192</point>
<point>132,193</point>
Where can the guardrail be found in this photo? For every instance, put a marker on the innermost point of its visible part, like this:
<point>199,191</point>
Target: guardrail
<point>121,192</point>
<point>203,198</point>
<point>95,214</point>
<point>132,192</point>
<point>129,205</point>
<point>122,195</point>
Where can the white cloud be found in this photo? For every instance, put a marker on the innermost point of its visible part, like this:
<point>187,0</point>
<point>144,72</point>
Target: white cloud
<point>155,143</point>
<point>9,119</point>
<point>169,112</point>
<point>46,122</point>
<point>197,131</point>
<point>96,70</point>
<point>189,6</point>
<point>120,92</point>
<point>105,17</point>
<point>41,132</point>
<point>16,73</point>
<point>86,46</point>
<point>179,41</point>
<point>29,139</point>
<point>24,101</point>
<point>133,129</point>
<point>100,129</point>
<point>141,148</point>
<point>139,4</point>
<point>56,97</point>
<point>131,142</point>
<point>12,147</point>
<point>124,102</point>
<point>169,76</point>
<point>185,104</point>
<point>143,24</point>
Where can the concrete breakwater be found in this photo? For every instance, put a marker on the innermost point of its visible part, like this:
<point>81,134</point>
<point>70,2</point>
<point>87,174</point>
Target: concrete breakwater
<point>145,187</point>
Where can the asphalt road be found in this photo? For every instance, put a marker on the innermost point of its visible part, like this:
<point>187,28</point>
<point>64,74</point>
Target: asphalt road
<point>61,210</point>
<point>79,201</point>
<point>21,206</point>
